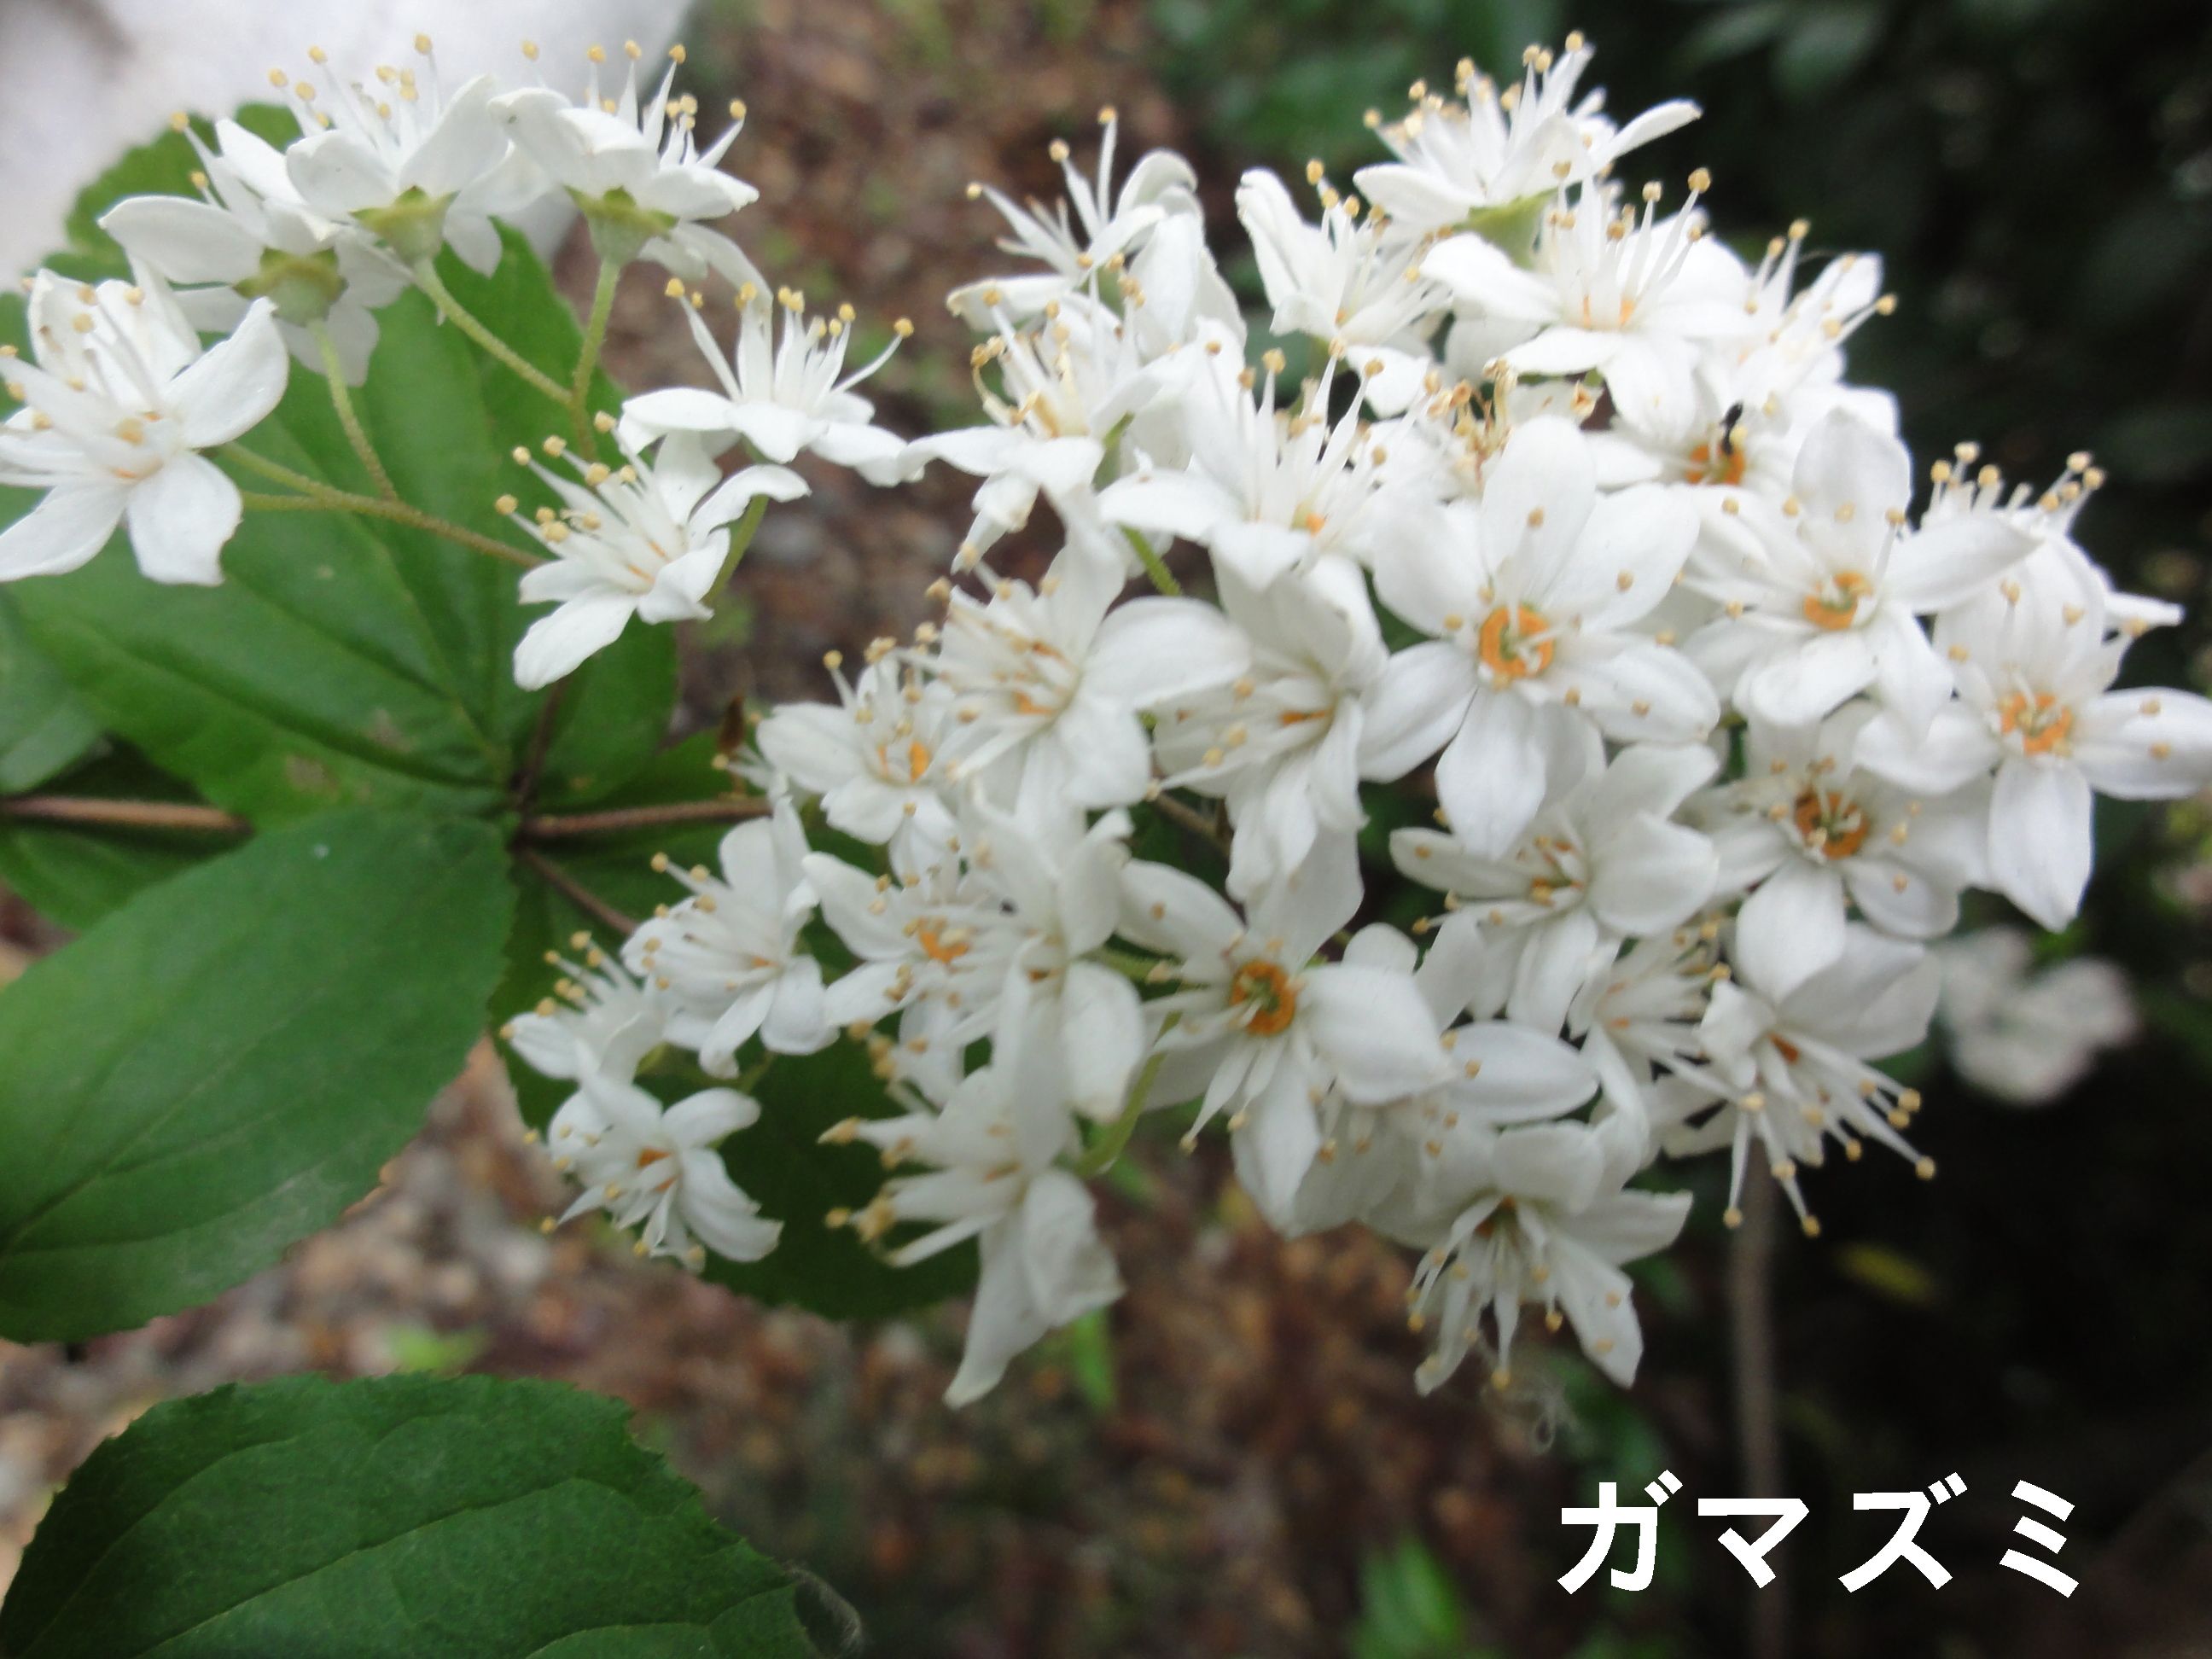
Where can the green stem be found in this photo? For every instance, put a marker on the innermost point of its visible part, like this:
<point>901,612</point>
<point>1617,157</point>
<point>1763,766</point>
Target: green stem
<point>342,401</point>
<point>1137,967</point>
<point>426,274</point>
<point>752,1079</point>
<point>1102,1152</point>
<point>1155,566</point>
<point>587,360</point>
<point>316,496</point>
<point>741,538</point>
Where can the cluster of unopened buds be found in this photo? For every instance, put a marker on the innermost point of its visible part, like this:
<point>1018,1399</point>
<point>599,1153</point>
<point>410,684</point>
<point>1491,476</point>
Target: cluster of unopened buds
<point>1567,525</point>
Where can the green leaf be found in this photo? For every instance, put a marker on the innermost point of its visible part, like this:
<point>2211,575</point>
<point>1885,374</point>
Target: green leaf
<point>223,1065</point>
<point>44,728</point>
<point>75,874</point>
<point>310,678</point>
<point>798,1180</point>
<point>469,1519</point>
<point>351,661</point>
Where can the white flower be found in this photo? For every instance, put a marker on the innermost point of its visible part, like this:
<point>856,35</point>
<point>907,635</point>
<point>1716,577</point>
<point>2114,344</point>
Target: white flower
<point>782,392</point>
<point>994,1181</point>
<point>1346,283</point>
<point>1003,947</point>
<point>658,1171</point>
<point>2035,668</point>
<point>118,399</point>
<point>1754,396</point>
<point>1600,862</point>
<point>409,165</point>
<point>877,757</point>
<point>2023,1037</point>
<point>1792,1070</point>
<point>727,961</point>
<point>648,540</point>
<point>1281,743</point>
<point>1267,491</point>
<point>1638,1018</point>
<point>1049,681</point>
<point>1263,1032</point>
<point>1965,490</point>
<point>1540,1214</point>
<point>252,238</point>
<point>1104,230</point>
<point>1534,594</point>
<point>1633,300</point>
<point>1822,588</point>
<point>1809,835</point>
<point>634,168</point>
<point>599,1021</point>
<point>1498,148</point>
<point>1066,387</point>
<point>1499,1074</point>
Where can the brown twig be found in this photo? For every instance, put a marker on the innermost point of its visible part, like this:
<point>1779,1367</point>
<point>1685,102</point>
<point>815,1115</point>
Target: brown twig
<point>560,826</point>
<point>541,742</point>
<point>576,892</point>
<point>1759,1427</point>
<point>96,812</point>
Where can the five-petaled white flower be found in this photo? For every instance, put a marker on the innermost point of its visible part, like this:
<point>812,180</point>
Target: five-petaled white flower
<point>1821,589</point>
<point>780,391</point>
<point>648,539</point>
<point>1534,593</point>
<point>1501,147</point>
<point>251,237</point>
<point>118,399</point>
<point>1809,834</point>
<point>656,1170</point>
<point>994,1181</point>
<point>634,166</point>
<point>727,961</point>
<point>1538,1214</point>
<point>1600,862</point>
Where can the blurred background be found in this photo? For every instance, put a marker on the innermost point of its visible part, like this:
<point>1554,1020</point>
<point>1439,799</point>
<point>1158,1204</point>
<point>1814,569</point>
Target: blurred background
<point>1233,1462</point>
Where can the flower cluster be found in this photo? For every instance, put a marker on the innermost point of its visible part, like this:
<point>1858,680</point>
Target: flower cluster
<point>1570,522</point>
<point>1535,578</point>
<point>124,420</point>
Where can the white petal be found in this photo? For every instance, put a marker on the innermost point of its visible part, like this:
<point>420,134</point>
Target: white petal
<point>1151,651</point>
<point>1414,708</point>
<point>1374,1028</point>
<point>1806,683</point>
<point>179,520</point>
<point>185,240</point>
<point>1653,875</point>
<point>62,532</point>
<point>237,382</point>
<point>1791,929</point>
<point>2040,838</point>
<point>1490,777</point>
<point>557,644</point>
<point>1556,958</point>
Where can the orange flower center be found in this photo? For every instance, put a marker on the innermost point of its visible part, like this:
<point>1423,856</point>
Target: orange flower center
<point>1267,989</point>
<point>1725,468</point>
<point>1836,607</point>
<point>939,947</point>
<point>1511,644</point>
<point>1831,824</point>
<point>917,760</point>
<point>2042,721</point>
